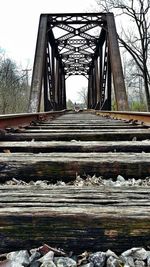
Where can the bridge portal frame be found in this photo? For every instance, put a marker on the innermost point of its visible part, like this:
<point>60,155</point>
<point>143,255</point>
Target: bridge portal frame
<point>77,52</point>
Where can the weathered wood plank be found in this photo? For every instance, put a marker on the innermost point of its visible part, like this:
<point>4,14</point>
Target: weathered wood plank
<point>108,130</point>
<point>84,123</point>
<point>62,202</point>
<point>80,146</point>
<point>102,194</point>
<point>93,210</point>
<point>74,227</point>
<point>89,191</point>
<point>90,136</point>
<point>85,126</point>
<point>55,166</point>
<point>56,196</point>
<point>73,232</point>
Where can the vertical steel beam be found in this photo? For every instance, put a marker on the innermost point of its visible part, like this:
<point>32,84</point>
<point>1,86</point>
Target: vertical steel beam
<point>49,77</point>
<point>57,86</point>
<point>97,85</point>
<point>94,86</point>
<point>61,85</point>
<point>53,76</point>
<point>88,93</point>
<point>46,101</point>
<point>100,72</point>
<point>116,66</point>
<point>36,85</point>
<point>63,89</point>
<point>90,90</point>
<point>62,92</point>
<point>109,85</point>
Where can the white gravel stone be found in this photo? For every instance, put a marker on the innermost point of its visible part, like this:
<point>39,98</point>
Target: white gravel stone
<point>139,263</point>
<point>111,253</point>
<point>120,179</point>
<point>48,264</point>
<point>89,264</point>
<point>98,259</point>
<point>65,262</point>
<point>136,253</point>
<point>148,261</point>
<point>47,257</point>
<point>128,261</point>
<point>112,262</point>
<point>20,257</point>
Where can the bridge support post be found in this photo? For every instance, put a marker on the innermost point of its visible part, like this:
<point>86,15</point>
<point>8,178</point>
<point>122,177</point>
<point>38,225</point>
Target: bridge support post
<point>90,91</point>
<point>57,85</point>
<point>53,78</point>
<point>109,84</point>
<point>36,85</point>
<point>116,66</point>
<point>94,86</point>
<point>63,87</point>
<point>97,85</point>
<point>60,94</point>
<point>60,90</point>
<point>46,101</point>
<point>93,89</point>
<point>100,74</point>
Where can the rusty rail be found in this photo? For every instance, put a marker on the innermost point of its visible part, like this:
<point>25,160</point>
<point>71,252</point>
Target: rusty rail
<point>138,117</point>
<point>24,119</point>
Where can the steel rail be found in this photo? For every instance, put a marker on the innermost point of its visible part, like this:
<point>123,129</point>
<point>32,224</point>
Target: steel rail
<point>137,117</point>
<point>24,119</point>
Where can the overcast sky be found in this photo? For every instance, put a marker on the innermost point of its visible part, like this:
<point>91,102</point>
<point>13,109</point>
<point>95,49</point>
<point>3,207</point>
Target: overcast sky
<point>19,24</point>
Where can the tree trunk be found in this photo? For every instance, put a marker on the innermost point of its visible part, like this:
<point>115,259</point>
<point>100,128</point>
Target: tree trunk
<point>146,86</point>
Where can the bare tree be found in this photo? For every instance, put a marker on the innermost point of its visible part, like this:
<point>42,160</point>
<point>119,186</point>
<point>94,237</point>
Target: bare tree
<point>134,83</point>
<point>83,96</point>
<point>14,92</point>
<point>134,34</point>
<point>70,104</point>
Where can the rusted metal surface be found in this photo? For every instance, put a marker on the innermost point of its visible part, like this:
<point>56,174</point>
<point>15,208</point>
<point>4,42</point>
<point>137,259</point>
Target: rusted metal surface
<point>135,117</point>
<point>36,88</point>
<point>24,119</point>
<point>116,66</point>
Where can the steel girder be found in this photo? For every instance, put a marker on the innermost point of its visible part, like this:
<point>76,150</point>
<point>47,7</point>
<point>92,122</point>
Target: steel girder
<point>77,44</point>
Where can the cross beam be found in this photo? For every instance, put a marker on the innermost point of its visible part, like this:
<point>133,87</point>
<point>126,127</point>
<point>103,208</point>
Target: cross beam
<point>77,44</point>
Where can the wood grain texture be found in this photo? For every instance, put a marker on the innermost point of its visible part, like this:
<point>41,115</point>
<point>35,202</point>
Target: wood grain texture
<point>65,166</point>
<point>62,216</point>
<point>75,146</point>
<point>79,136</point>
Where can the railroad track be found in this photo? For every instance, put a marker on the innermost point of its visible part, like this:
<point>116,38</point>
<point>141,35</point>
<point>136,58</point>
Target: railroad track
<point>59,147</point>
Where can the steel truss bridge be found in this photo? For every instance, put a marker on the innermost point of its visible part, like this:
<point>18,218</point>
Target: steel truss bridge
<point>77,44</point>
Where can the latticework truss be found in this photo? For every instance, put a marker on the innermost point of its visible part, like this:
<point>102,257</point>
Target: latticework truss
<point>77,44</point>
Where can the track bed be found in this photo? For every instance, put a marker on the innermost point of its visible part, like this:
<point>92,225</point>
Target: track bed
<point>77,218</point>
